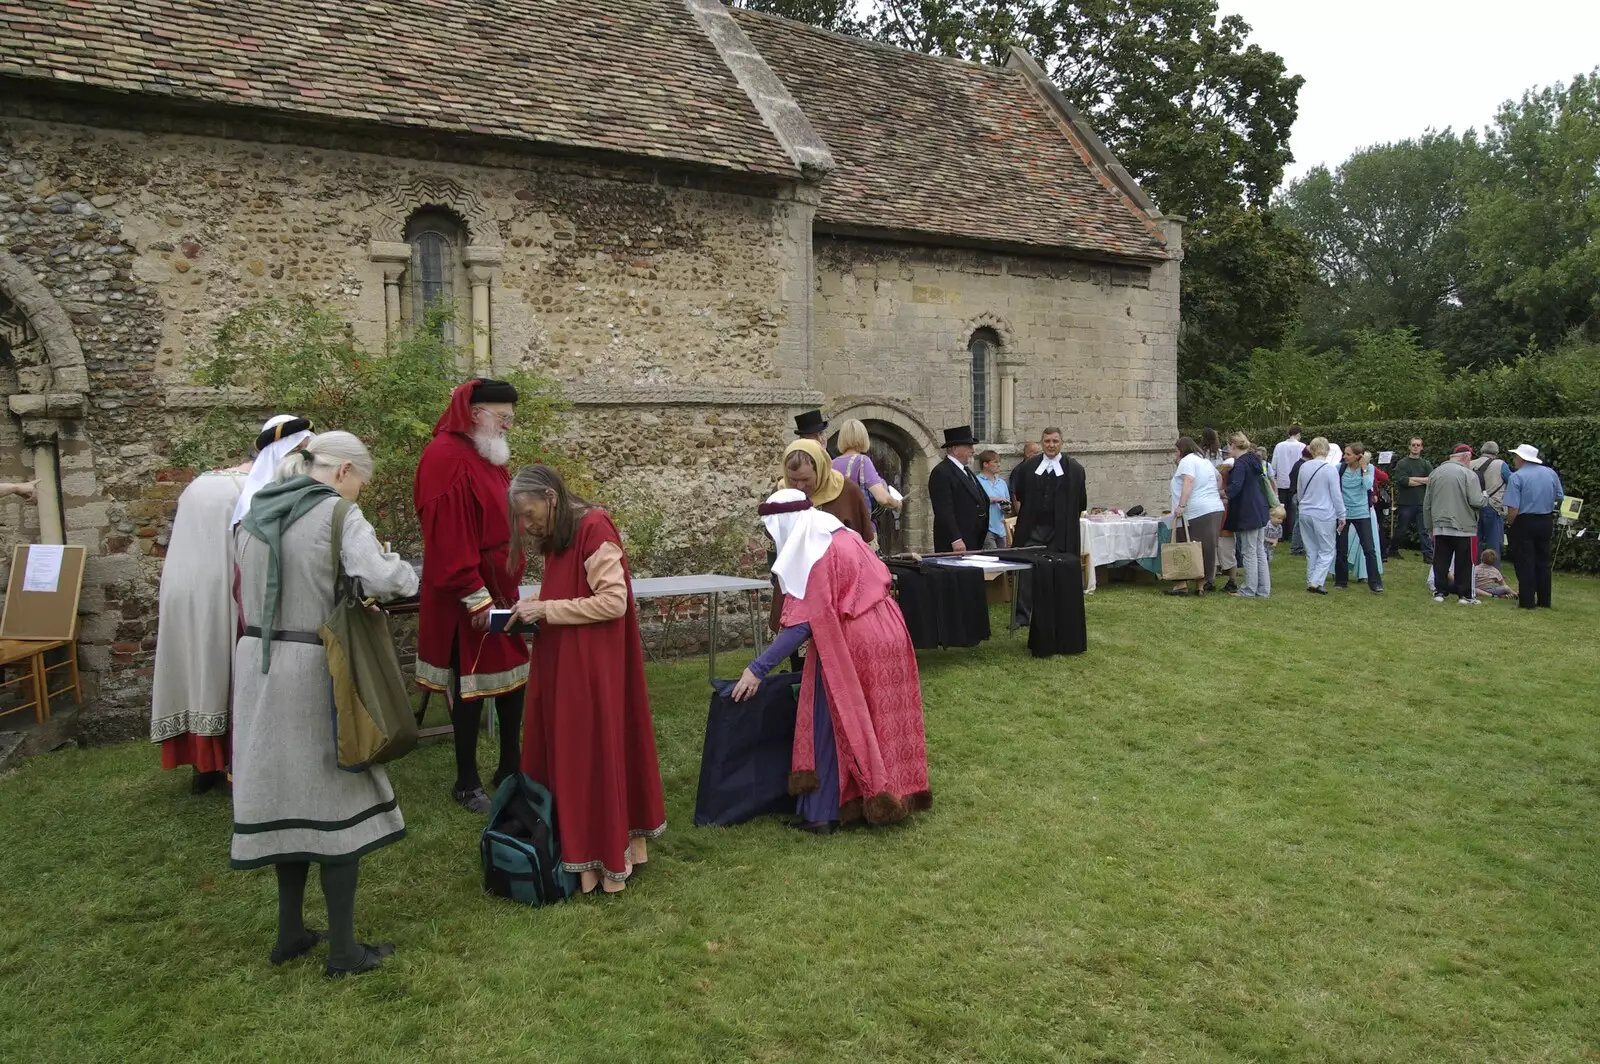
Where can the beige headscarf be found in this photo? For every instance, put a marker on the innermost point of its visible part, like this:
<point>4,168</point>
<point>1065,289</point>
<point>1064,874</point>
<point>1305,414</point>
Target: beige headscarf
<point>830,482</point>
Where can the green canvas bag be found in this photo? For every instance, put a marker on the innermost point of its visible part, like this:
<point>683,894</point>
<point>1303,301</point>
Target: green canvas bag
<point>372,720</point>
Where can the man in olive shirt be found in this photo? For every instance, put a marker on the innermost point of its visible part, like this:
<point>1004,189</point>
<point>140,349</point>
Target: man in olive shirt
<point>1410,482</point>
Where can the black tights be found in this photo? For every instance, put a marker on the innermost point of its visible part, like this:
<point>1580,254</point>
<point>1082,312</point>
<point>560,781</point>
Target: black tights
<point>339,890</point>
<point>466,718</point>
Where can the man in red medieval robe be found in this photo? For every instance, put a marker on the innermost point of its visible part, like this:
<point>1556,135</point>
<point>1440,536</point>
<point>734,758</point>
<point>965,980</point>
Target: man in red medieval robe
<point>460,496</point>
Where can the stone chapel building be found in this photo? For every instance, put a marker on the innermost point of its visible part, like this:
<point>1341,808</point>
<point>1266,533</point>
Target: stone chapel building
<point>700,221</point>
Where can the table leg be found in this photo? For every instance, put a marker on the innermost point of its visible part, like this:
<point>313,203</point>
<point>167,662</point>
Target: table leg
<point>1016,582</point>
<point>756,627</point>
<point>712,631</point>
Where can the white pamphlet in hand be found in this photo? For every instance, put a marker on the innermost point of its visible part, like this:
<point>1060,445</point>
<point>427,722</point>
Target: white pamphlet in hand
<point>895,495</point>
<point>1385,457</point>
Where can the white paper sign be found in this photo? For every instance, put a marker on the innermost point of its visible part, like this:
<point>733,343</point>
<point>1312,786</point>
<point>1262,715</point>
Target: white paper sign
<point>1385,457</point>
<point>44,568</point>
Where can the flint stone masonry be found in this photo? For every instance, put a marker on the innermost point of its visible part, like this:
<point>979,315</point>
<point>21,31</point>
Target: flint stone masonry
<point>630,291</point>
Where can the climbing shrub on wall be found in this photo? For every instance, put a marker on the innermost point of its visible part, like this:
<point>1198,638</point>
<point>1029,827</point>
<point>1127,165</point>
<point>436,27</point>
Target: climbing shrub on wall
<point>297,356</point>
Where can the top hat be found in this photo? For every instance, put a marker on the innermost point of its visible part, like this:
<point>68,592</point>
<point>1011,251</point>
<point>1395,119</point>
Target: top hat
<point>810,423</point>
<point>959,436</point>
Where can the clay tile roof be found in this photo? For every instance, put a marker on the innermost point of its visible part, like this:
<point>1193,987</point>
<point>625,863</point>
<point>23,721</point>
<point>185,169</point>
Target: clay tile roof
<point>947,148</point>
<point>633,76</point>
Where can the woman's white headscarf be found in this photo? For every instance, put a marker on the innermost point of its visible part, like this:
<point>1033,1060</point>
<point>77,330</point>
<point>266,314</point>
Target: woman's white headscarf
<point>801,534</point>
<point>266,463</point>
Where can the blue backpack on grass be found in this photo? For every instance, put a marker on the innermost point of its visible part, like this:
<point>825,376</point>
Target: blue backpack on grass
<point>520,849</point>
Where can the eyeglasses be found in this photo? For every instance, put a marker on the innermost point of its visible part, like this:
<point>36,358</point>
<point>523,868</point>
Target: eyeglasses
<point>503,420</point>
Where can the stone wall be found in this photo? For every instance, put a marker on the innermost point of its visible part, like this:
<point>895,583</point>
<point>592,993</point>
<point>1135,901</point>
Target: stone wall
<point>1090,347</point>
<point>685,317</point>
<point>638,290</point>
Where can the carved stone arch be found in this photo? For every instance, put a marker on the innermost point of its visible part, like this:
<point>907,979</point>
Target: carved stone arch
<point>48,320</point>
<point>926,446</point>
<point>52,399</point>
<point>401,202</point>
<point>875,408</point>
<point>1009,354</point>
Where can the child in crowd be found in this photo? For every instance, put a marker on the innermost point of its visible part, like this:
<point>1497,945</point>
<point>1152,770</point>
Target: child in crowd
<point>1274,530</point>
<point>1487,579</point>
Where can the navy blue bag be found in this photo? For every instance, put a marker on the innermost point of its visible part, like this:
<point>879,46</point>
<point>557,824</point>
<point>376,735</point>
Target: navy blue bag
<point>744,766</point>
<point>520,849</point>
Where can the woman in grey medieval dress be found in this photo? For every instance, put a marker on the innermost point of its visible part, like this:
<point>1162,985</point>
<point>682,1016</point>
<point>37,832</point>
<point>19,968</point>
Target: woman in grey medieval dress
<point>292,804</point>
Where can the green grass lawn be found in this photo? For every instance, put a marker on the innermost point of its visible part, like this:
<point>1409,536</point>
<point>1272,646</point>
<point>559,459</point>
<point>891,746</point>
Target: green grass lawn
<point>1359,828</point>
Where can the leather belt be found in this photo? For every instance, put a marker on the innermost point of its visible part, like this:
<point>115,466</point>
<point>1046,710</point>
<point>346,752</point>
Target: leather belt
<point>252,631</point>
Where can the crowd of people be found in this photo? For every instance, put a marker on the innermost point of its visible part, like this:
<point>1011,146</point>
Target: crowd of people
<point>1330,502</point>
<point>242,685</point>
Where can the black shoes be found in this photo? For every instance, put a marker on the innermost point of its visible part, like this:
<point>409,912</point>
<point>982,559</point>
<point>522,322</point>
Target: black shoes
<point>372,961</point>
<point>207,781</point>
<point>473,801</point>
<point>312,940</point>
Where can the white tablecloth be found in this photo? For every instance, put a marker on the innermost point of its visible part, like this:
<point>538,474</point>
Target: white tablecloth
<point>1125,539</point>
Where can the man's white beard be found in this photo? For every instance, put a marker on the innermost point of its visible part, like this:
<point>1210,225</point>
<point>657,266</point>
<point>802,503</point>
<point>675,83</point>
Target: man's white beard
<point>493,447</point>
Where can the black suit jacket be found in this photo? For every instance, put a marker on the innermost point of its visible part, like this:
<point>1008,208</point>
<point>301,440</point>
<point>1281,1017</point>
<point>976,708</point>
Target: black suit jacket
<point>1072,498</point>
<point>960,506</point>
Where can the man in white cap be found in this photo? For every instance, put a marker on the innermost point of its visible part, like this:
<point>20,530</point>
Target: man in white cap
<point>196,624</point>
<point>1532,497</point>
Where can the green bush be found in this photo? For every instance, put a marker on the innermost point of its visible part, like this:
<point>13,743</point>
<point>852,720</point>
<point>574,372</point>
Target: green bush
<point>301,357</point>
<point>1570,445</point>
<point>1390,375</point>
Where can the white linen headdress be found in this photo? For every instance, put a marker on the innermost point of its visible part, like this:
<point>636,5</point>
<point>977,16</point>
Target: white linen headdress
<point>266,464</point>
<point>801,535</point>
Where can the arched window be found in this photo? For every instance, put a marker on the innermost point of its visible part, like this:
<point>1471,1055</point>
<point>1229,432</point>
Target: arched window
<point>436,242</point>
<point>982,347</point>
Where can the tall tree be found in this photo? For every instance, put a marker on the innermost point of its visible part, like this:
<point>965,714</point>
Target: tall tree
<point>841,16</point>
<point>1387,228</point>
<point>1199,116</point>
<point>1534,222</point>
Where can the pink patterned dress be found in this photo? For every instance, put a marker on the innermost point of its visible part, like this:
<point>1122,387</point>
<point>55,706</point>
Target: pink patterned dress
<point>862,655</point>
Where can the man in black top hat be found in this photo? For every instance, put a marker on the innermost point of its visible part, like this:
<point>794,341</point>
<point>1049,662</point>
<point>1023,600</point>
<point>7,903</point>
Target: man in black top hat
<point>960,505</point>
<point>811,426</point>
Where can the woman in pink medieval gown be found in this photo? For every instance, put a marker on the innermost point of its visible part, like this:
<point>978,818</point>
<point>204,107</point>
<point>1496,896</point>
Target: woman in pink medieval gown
<point>858,741</point>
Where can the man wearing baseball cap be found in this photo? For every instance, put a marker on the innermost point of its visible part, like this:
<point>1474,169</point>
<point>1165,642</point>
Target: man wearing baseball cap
<point>1532,496</point>
<point>1450,509</point>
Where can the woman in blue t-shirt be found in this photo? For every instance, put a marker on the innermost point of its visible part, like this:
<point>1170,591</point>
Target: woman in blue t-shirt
<point>1355,485</point>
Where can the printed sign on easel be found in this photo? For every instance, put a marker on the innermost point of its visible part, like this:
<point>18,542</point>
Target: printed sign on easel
<point>42,595</point>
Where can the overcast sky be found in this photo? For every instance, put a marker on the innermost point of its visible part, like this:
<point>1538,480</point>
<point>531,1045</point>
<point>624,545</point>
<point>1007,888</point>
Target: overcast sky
<point>1384,70</point>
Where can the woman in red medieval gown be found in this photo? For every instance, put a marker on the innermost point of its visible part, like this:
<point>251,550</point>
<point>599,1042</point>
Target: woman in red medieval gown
<point>587,735</point>
<point>858,740</point>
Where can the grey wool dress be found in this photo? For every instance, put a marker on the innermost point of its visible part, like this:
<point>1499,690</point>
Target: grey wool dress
<point>291,801</point>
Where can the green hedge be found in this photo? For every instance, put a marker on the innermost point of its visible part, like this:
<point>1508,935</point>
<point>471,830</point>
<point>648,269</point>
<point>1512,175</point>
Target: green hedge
<point>1570,445</point>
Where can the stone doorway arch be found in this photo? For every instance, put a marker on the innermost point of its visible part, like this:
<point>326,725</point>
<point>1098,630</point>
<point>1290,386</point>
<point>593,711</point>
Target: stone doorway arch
<point>50,394</point>
<point>909,447</point>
